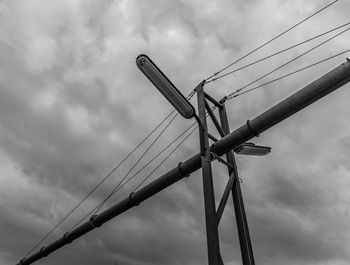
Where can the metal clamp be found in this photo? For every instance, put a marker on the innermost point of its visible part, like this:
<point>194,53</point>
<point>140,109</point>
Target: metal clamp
<point>251,129</point>
<point>132,199</point>
<point>182,172</point>
<point>42,252</point>
<point>223,100</point>
<point>92,222</point>
<point>65,237</point>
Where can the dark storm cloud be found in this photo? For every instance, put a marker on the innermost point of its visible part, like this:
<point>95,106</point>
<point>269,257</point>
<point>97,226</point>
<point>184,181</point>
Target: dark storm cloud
<point>72,102</point>
<point>46,148</point>
<point>291,221</point>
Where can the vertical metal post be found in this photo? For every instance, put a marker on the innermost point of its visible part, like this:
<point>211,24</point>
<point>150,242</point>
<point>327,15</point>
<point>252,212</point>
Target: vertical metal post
<point>241,219</point>
<point>214,256</point>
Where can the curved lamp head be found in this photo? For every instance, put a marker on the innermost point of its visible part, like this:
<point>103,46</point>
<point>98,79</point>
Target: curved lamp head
<point>165,86</point>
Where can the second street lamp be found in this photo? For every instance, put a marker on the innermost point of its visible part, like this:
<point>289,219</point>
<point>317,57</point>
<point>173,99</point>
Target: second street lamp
<point>252,149</point>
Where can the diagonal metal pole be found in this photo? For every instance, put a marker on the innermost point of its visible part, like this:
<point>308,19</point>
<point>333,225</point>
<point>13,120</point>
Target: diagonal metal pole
<point>281,111</point>
<point>213,245</point>
<point>224,198</point>
<point>241,219</point>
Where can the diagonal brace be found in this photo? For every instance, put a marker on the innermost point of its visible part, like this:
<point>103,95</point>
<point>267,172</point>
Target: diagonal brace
<point>212,100</point>
<point>214,119</point>
<point>225,196</point>
<point>215,156</point>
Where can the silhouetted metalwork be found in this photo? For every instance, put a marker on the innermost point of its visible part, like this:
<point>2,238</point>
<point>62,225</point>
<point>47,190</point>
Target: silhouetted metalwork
<point>294,103</point>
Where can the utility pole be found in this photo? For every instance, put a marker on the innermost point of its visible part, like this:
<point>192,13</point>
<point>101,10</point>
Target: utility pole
<point>212,216</point>
<point>213,244</point>
<point>224,146</point>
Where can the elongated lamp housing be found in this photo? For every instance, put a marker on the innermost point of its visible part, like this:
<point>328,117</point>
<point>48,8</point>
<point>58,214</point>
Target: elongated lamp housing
<point>252,149</point>
<point>165,86</point>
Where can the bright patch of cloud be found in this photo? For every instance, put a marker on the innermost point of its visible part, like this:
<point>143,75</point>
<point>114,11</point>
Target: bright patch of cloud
<point>41,53</point>
<point>79,119</point>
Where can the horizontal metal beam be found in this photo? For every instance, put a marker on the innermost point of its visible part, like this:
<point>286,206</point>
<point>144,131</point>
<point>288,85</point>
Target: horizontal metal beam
<point>301,99</point>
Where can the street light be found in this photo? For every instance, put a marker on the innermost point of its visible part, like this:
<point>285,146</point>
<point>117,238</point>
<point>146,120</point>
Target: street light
<point>165,86</point>
<point>181,104</point>
<point>252,149</point>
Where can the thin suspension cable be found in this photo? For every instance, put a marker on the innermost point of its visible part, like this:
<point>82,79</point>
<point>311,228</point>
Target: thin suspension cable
<point>98,185</point>
<point>286,75</point>
<point>191,94</point>
<point>115,168</point>
<point>125,158</point>
<point>103,180</point>
<point>156,156</point>
<point>135,174</point>
<point>276,53</point>
<point>151,173</point>
<point>207,114</point>
<point>271,40</point>
<point>288,62</point>
<point>135,164</point>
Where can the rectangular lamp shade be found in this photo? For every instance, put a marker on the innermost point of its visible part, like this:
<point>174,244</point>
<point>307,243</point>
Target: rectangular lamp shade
<point>165,86</point>
<point>252,149</point>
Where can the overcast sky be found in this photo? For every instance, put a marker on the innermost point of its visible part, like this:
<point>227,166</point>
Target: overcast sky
<point>73,104</point>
